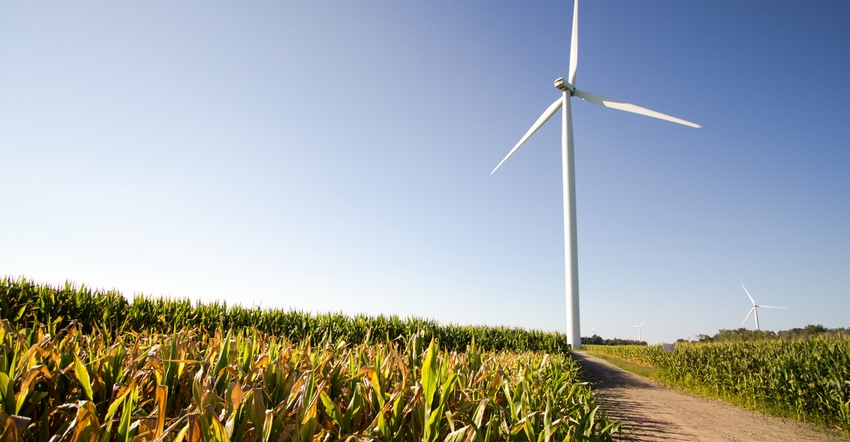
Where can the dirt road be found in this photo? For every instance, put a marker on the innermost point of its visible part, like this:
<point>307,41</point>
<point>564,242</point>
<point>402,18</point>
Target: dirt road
<point>658,413</point>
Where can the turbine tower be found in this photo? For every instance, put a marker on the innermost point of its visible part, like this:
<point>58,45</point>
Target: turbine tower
<point>639,327</point>
<point>568,90</point>
<point>755,309</point>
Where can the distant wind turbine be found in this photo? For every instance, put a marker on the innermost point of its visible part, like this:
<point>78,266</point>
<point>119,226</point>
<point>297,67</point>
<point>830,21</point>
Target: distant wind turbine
<point>639,327</point>
<point>568,90</point>
<point>755,309</point>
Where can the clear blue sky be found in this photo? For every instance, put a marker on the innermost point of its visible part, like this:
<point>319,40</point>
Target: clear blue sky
<point>336,156</point>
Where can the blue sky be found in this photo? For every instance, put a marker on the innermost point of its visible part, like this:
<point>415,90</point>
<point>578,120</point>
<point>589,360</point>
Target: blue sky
<point>336,156</point>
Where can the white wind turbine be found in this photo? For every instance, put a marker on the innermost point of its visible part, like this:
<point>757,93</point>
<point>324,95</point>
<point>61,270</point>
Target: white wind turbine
<point>568,90</point>
<point>755,309</point>
<point>640,328</point>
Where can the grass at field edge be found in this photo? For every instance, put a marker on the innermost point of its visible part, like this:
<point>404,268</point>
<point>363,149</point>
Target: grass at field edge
<point>631,367</point>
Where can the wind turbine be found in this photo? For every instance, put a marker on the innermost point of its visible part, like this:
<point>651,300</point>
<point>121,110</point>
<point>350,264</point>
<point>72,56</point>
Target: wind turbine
<point>568,90</point>
<point>755,309</point>
<point>639,327</point>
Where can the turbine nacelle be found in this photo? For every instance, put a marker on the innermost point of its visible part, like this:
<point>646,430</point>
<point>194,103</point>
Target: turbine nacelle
<point>563,86</point>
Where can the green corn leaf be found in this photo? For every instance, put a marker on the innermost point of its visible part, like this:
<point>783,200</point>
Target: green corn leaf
<point>20,313</point>
<point>546,435</point>
<point>7,394</point>
<point>591,421</point>
<point>429,376</point>
<point>82,375</point>
<point>308,422</point>
<point>352,412</point>
<point>124,432</point>
<point>447,388</point>
<point>432,426</point>
<point>398,405</point>
<point>113,407</point>
<point>221,363</point>
<point>376,384</point>
<point>331,408</point>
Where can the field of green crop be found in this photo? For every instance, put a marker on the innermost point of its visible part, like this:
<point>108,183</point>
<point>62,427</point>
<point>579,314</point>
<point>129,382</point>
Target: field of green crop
<point>65,380</point>
<point>804,379</point>
<point>27,303</point>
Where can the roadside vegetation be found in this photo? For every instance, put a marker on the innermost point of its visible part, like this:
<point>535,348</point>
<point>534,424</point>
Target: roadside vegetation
<point>808,380</point>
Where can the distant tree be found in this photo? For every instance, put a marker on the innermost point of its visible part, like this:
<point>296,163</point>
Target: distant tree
<point>811,331</point>
<point>597,340</point>
<point>704,338</point>
<point>593,340</point>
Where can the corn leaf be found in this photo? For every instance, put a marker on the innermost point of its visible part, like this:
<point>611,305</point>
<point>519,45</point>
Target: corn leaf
<point>82,375</point>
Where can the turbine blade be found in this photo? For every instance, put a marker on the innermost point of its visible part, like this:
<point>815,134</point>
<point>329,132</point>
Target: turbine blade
<point>574,47</point>
<point>547,114</point>
<point>748,315</point>
<point>628,107</point>
<point>771,306</point>
<point>749,295</point>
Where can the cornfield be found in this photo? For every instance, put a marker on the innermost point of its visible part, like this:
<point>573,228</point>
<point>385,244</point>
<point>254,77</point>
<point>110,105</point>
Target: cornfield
<point>83,365</point>
<point>27,303</point>
<point>190,385</point>
<point>805,379</point>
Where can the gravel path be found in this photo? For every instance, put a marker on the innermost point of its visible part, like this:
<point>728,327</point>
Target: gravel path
<point>658,413</point>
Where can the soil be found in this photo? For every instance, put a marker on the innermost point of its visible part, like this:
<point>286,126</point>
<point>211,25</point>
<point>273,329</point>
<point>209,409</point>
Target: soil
<point>655,412</point>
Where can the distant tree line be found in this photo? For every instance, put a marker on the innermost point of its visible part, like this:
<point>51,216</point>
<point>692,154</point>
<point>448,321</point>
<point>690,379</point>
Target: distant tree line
<point>598,340</point>
<point>738,335</point>
<point>743,334</point>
